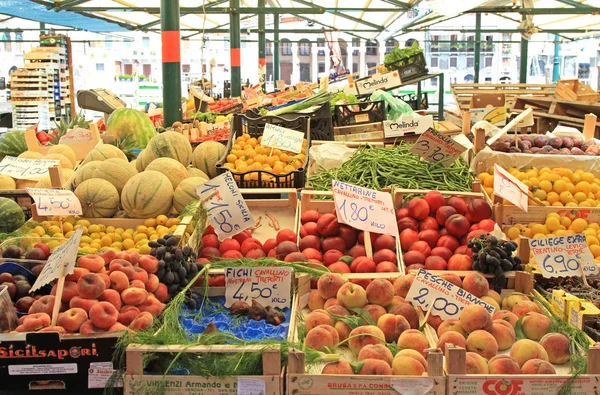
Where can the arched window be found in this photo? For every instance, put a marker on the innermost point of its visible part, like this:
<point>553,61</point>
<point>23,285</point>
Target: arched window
<point>286,47</point>
<point>389,45</point>
<point>304,47</point>
<point>372,48</point>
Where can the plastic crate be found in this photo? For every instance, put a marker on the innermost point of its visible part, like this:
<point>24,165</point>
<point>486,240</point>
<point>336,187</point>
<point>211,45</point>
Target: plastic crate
<point>410,67</point>
<point>360,113</point>
<point>254,178</point>
<point>412,100</point>
<point>22,198</point>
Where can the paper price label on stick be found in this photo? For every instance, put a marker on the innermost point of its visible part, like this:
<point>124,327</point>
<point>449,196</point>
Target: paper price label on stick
<point>563,256</point>
<point>283,138</point>
<point>445,299</point>
<point>435,147</point>
<point>61,262</point>
<point>227,209</point>
<point>510,188</point>
<point>365,209</point>
<point>55,201</point>
<point>26,169</point>
<point>269,286</point>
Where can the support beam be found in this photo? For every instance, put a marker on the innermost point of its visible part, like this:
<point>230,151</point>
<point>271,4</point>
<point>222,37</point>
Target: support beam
<point>537,11</point>
<point>276,47</point>
<point>524,58</point>
<point>244,31</point>
<point>574,3</point>
<point>42,28</point>
<point>262,61</point>
<point>198,10</point>
<point>337,13</point>
<point>407,25</point>
<point>68,4</point>
<point>399,4</point>
<point>234,48</point>
<point>171,60</point>
<point>477,63</point>
<point>333,28</point>
<point>556,61</point>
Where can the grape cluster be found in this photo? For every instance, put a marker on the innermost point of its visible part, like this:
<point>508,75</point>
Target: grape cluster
<point>495,257</point>
<point>176,266</point>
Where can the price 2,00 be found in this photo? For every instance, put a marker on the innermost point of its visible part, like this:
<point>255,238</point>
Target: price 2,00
<point>559,264</point>
<point>439,304</point>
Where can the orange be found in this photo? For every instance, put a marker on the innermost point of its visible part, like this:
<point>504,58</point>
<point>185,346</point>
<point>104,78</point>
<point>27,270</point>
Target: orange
<point>288,168</point>
<point>284,158</point>
<point>546,186</point>
<point>277,169</point>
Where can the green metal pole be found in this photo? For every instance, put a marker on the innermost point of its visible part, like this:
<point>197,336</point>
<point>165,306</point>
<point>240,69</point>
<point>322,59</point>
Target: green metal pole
<point>477,63</point>
<point>524,56</point>
<point>234,49</point>
<point>42,28</point>
<point>556,65</point>
<point>276,48</point>
<point>262,62</point>
<point>171,60</point>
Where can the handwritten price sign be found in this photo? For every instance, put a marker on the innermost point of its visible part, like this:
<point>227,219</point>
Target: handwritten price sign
<point>435,147</point>
<point>364,209</point>
<point>282,138</point>
<point>26,169</point>
<point>446,300</point>
<point>563,256</point>
<point>55,201</point>
<point>227,209</point>
<point>269,286</point>
<point>510,188</point>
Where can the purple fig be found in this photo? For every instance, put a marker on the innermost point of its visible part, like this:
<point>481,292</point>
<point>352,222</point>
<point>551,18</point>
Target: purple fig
<point>577,142</point>
<point>540,141</point>
<point>210,328</point>
<point>556,142</point>
<point>274,316</point>
<point>239,308</point>
<point>257,312</point>
<point>567,142</point>
<point>576,151</point>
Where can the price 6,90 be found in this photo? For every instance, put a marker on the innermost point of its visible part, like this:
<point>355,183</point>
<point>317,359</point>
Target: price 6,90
<point>559,264</point>
<point>220,214</point>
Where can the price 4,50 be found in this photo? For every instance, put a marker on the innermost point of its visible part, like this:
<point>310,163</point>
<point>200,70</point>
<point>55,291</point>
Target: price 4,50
<point>256,292</point>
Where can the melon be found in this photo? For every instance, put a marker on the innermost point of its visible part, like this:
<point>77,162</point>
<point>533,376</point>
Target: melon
<point>85,172</point>
<point>65,163</point>
<point>65,150</point>
<point>12,143</point>
<point>47,183</point>
<point>193,172</point>
<point>103,152</point>
<point>147,195</point>
<point>98,198</point>
<point>186,192</point>
<point>169,145</point>
<point>206,156</point>
<point>31,155</point>
<point>115,171</point>
<point>132,124</point>
<point>22,184</point>
<point>67,173</point>
<point>11,216</point>
<point>7,183</point>
<point>174,170</point>
<point>139,162</point>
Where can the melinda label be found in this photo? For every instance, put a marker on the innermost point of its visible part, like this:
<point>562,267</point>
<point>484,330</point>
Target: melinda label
<point>563,256</point>
<point>26,169</point>
<point>407,124</point>
<point>378,81</point>
<point>269,286</point>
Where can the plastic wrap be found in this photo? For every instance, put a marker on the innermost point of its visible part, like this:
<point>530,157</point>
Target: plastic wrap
<point>396,107</point>
<point>330,156</point>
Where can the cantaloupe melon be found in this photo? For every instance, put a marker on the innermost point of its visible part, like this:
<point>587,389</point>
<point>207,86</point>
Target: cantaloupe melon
<point>98,198</point>
<point>85,172</point>
<point>103,152</point>
<point>186,192</point>
<point>47,183</point>
<point>147,195</point>
<point>65,163</point>
<point>31,155</point>
<point>22,184</point>
<point>139,162</point>
<point>174,170</point>
<point>67,173</point>
<point>206,156</point>
<point>7,183</point>
<point>115,171</point>
<point>193,172</point>
<point>168,145</point>
<point>65,150</point>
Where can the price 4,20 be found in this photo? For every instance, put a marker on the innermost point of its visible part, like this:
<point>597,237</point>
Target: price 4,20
<point>256,292</point>
<point>558,264</point>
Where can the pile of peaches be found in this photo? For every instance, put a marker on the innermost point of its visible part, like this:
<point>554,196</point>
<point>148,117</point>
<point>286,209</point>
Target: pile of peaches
<point>107,292</point>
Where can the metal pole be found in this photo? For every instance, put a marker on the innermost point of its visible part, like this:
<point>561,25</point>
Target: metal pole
<point>42,28</point>
<point>556,65</point>
<point>234,49</point>
<point>477,63</point>
<point>524,56</point>
<point>171,60</point>
<point>276,48</point>
<point>262,62</point>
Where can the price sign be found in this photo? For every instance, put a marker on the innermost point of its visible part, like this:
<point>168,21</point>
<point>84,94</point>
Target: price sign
<point>435,147</point>
<point>61,262</point>
<point>44,117</point>
<point>227,209</point>
<point>26,169</point>
<point>364,209</point>
<point>280,85</point>
<point>269,286</point>
<point>446,300</point>
<point>510,188</point>
<point>55,201</point>
<point>563,256</point>
<point>282,138</point>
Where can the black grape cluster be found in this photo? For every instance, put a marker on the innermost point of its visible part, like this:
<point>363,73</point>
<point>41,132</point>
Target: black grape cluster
<point>494,256</point>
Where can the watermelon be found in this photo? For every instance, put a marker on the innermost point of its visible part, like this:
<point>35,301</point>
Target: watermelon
<point>129,123</point>
<point>11,216</point>
<point>12,144</point>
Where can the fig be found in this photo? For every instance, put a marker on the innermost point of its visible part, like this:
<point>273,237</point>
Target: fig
<point>576,151</point>
<point>540,141</point>
<point>594,150</point>
<point>522,147</point>
<point>548,148</point>
<point>13,252</point>
<point>565,151</point>
<point>587,144</point>
<point>528,144</point>
<point>257,312</point>
<point>210,328</point>
<point>527,138</point>
<point>577,142</point>
<point>274,316</point>
<point>556,142</point>
<point>514,149</point>
<point>500,146</point>
<point>36,254</point>
<point>239,308</point>
<point>567,142</point>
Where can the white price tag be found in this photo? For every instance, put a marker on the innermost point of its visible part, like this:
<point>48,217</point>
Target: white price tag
<point>282,138</point>
<point>364,209</point>
<point>435,147</point>
<point>510,188</point>
<point>446,300</point>
<point>26,169</point>
<point>44,117</point>
<point>563,256</point>
<point>269,286</point>
<point>227,209</point>
<point>55,201</point>
<point>250,386</point>
<point>63,257</point>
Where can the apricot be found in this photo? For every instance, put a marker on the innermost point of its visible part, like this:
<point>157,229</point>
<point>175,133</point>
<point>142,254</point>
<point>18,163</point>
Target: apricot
<point>381,292</point>
<point>474,317</point>
<point>319,339</point>
<point>374,367</point>
<point>535,325</point>
<point>451,325</point>
<point>476,284</point>
<point>339,367</point>
<point>329,284</point>
<point>376,351</point>
<point>524,350</point>
<point>503,364</point>
<point>482,343</point>
<point>451,337</point>
<point>316,318</point>
<point>364,335</point>
<point>352,295</point>
<point>557,347</point>
<point>402,285</point>
<point>414,340</point>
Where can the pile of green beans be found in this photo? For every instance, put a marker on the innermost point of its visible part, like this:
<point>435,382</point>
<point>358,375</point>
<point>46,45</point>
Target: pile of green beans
<point>377,168</point>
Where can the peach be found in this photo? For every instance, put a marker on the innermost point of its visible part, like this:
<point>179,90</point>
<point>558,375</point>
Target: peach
<point>286,235</point>
<point>474,317</point>
<point>328,225</point>
<point>504,334</point>
<point>511,300</point>
<point>407,238</point>
<point>106,279</point>
<point>460,262</point>
<point>402,284</point>
<point>337,310</point>
<point>414,340</point>
<point>443,213</point>
<point>134,296</point>
<point>413,354</point>
<point>85,304</point>
<point>407,311</point>
<point>403,365</point>
<point>381,292</point>
<point>45,304</point>
<point>108,256</point>
<point>392,326</point>
<point>137,284</point>
<point>506,316</point>
<point>451,337</point>
<point>117,327</point>
<point>90,286</point>
<point>476,284</point>
<point>418,208</point>
<point>434,321</point>
<point>24,303</point>
<point>162,293</point>
<point>111,296</point>
<point>342,329</point>
<point>446,254</point>
<point>103,315</point>
<point>537,366</point>
<point>316,318</point>
<point>364,335</point>
<point>374,311</point>
<point>374,367</point>
<point>72,319</point>
<point>363,264</point>
<point>557,347</point>
<point>94,263</point>
<point>407,223</point>
<point>149,263</point>
<point>334,334</point>
<point>152,283</point>
<point>152,306</point>
<point>352,295</point>
<point>535,325</point>
<point>396,300</point>
<point>312,241</point>
<point>121,265</point>
<point>315,301</point>
<point>385,242</point>
<point>295,257</point>
<point>384,255</point>
<point>142,322</point>
<point>309,228</point>
<point>339,367</point>
<point>422,247</point>
<point>329,285</point>
<point>36,321</point>
<point>491,301</point>
<point>525,306</point>
<point>312,253</point>
<point>69,291</point>
<point>332,256</point>
<point>127,314</point>
<point>376,351</point>
<point>448,242</point>
<point>58,329</point>
<point>386,267</point>
<point>451,325</point>
<point>482,343</point>
<point>140,274</point>
<point>495,295</point>
<point>525,349</point>
<point>319,338</point>
<point>476,364</point>
<point>503,364</point>
<point>331,302</point>
<point>435,263</point>
<point>349,234</point>
<point>119,281</point>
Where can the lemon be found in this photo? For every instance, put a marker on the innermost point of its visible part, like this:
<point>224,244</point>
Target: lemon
<point>154,236</point>
<point>150,222</point>
<point>115,237</point>
<point>85,228</point>
<point>40,231</point>
<point>126,236</point>
<point>95,235</point>
<point>52,244</point>
<point>94,228</point>
<point>46,238</point>
<point>54,229</point>
<point>69,234</point>
<point>145,249</point>
<point>127,244</point>
<point>106,241</point>
<point>117,245</point>
<point>119,231</point>
<point>141,229</point>
<point>552,223</point>
<point>578,225</point>
<point>139,237</point>
<point>513,233</point>
<point>96,245</point>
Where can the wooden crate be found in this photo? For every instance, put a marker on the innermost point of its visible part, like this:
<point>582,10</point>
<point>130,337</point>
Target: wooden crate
<point>364,132</point>
<point>81,149</point>
<point>575,90</point>
<point>464,92</point>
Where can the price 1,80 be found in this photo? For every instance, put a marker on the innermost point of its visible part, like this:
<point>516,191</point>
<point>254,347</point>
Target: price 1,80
<point>560,264</point>
<point>357,213</point>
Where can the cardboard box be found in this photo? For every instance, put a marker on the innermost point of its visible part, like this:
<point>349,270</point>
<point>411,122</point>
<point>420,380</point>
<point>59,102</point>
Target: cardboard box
<point>489,107</point>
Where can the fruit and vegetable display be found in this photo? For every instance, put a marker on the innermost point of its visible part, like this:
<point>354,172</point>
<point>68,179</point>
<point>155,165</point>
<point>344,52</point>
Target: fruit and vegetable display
<point>402,55</point>
<point>544,145</point>
<point>199,131</point>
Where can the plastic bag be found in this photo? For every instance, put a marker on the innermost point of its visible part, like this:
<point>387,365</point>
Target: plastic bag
<point>330,155</point>
<point>396,107</point>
